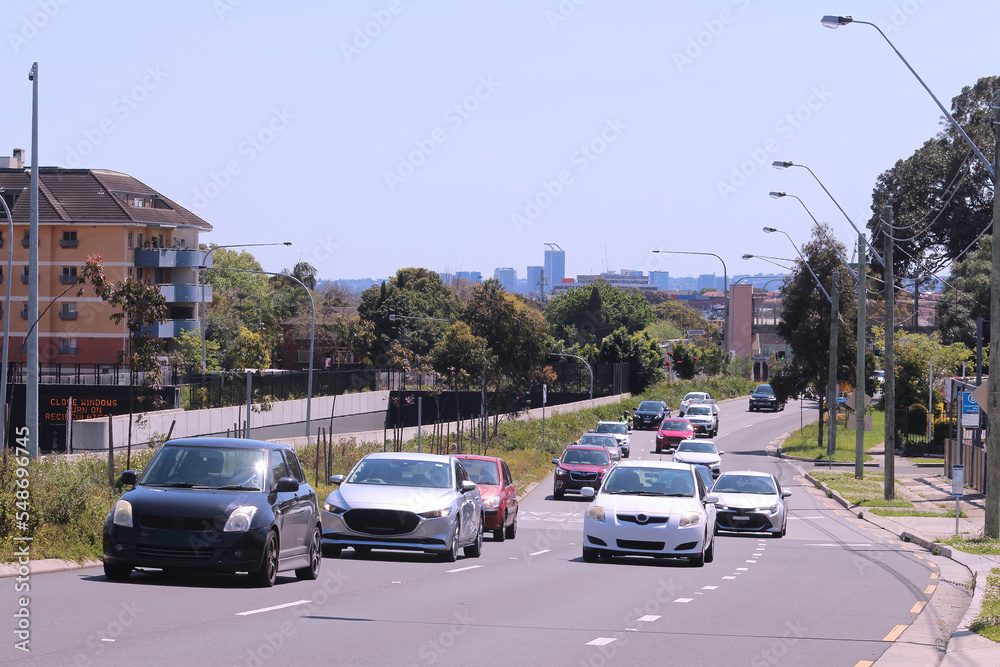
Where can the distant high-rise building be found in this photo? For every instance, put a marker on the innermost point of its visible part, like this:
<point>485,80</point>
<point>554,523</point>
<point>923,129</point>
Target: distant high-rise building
<point>471,276</point>
<point>660,278</point>
<point>535,274</point>
<point>507,277</point>
<point>555,264</point>
<point>708,281</point>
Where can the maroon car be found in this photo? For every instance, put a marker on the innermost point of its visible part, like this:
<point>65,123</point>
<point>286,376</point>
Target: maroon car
<point>580,466</point>
<point>496,486</point>
<point>671,432</point>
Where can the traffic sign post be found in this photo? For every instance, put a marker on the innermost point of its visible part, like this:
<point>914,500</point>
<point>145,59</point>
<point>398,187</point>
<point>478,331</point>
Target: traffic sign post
<point>957,489</point>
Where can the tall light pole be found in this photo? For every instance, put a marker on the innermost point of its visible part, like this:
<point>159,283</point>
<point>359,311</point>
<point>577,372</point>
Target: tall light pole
<point>312,331</point>
<point>859,279</point>
<point>31,388</point>
<point>201,279</point>
<point>591,370</point>
<point>831,384</point>
<point>992,522</point>
<point>770,260</point>
<point>725,290</point>
<point>6,323</point>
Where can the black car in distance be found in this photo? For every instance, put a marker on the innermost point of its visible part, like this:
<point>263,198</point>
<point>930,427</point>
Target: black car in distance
<point>763,398</point>
<point>650,414</point>
<point>216,505</point>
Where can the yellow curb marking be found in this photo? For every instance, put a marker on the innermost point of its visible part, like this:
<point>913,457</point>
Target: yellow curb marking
<point>919,556</point>
<point>929,589</point>
<point>894,635</point>
<point>864,663</point>
<point>915,609</point>
<point>934,575</point>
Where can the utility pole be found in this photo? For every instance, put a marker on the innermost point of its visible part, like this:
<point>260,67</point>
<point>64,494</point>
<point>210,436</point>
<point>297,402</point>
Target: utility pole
<point>31,389</point>
<point>831,392</point>
<point>859,382</point>
<point>977,437</point>
<point>992,525</point>
<point>890,362</point>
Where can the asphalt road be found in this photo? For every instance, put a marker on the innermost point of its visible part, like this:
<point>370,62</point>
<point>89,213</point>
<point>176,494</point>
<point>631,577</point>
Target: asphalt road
<point>831,592</point>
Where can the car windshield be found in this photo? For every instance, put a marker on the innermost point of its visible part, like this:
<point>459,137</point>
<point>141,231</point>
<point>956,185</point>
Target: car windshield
<point>185,466</point>
<point>642,481</point>
<point>699,410</point>
<point>594,457</point>
<point>401,472</point>
<point>764,389</point>
<point>699,446</point>
<point>730,483</point>
<point>482,472</point>
<point>695,396</point>
<point>650,406</point>
<point>612,427</point>
<point>676,425</point>
<point>598,440</point>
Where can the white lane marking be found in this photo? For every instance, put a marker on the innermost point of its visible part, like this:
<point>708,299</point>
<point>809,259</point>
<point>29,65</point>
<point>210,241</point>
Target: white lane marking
<point>108,640</point>
<point>539,553</point>
<point>751,561</point>
<point>601,641</point>
<point>463,569</point>
<point>757,555</point>
<point>811,518</point>
<point>727,577</point>
<point>397,582</point>
<point>277,606</point>
<point>648,618</point>
<point>742,569</point>
<point>683,600</point>
<point>708,588</point>
<point>864,544</point>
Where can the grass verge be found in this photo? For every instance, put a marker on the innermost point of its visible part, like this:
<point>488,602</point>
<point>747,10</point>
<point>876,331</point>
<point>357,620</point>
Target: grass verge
<point>904,512</point>
<point>867,492</point>
<point>804,442</point>
<point>982,546</point>
<point>987,623</point>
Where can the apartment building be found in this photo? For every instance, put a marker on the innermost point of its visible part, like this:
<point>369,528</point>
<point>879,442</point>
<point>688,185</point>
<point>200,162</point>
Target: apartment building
<point>138,233</point>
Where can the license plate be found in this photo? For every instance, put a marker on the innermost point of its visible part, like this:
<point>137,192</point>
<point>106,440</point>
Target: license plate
<point>741,518</point>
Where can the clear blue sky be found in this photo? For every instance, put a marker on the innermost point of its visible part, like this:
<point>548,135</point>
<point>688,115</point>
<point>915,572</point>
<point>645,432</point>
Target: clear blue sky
<point>462,136</point>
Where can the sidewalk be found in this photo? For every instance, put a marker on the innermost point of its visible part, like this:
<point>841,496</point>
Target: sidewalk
<point>918,643</point>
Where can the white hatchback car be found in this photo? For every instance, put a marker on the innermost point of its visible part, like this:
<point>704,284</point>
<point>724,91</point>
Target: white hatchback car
<point>651,508</point>
<point>698,452</point>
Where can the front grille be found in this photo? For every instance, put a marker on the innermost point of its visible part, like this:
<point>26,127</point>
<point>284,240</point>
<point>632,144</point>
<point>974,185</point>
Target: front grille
<point>632,518</point>
<point>381,522</point>
<point>753,520</point>
<point>583,476</point>
<point>176,523</point>
<point>189,554</point>
<point>640,544</point>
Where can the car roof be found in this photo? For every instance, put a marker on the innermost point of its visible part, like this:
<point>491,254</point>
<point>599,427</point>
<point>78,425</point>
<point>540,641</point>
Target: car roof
<point>748,473</point>
<point>610,421</point>
<point>711,442</point>
<point>412,456</point>
<point>667,465</point>
<point>226,443</point>
<point>477,457</point>
<point>597,447</point>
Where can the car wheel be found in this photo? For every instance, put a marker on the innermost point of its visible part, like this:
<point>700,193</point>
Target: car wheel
<point>362,550</point>
<point>589,555</point>
<point>475,550</point>
<point>311,571</point>
<point>332,551</point>
<point>710,552</point>
<point>698,560</point>
<point>451,555</point>
<point>558,495</point>
<point>500,535</point>
<point>265,575</point>
<point>117,572</point>
<point>511,531</point>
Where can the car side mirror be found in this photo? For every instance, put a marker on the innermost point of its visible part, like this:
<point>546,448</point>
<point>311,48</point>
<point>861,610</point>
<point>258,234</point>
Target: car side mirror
<point>468,486</point>
<point>128,478</point>
<point>336,479</point>
<point>588,492</point>
<point>785,493</point>
<point>287,485</point>
<point>721,453</point>
<point>711,498</point>
<point>555,461</point>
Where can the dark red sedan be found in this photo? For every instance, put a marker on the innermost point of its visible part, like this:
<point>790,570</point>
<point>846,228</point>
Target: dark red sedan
<point>496,486</point>
<point>578,467</point>
<point>671,432</point>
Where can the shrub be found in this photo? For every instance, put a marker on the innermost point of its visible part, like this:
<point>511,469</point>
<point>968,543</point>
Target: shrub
<point>916,419</point>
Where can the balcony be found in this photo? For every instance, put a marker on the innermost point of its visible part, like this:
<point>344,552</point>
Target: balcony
<point>24,278</point>
<point>67,314</point>
<point>68,278</point>
<point>170,257</point>
<point>66,349</point>
<point>25,242</point>
<point>185,293</point>
<point>171,328</point>
<point>69,243</point>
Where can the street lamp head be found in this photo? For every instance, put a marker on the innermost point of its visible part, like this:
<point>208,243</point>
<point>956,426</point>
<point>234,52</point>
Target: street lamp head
<point>393,317</point>
<point>777,195</point>
<point>770,230</point>
<point>287,243</point>
<point>835,22</point>
<point>748,256</point>
<point>779,164</point>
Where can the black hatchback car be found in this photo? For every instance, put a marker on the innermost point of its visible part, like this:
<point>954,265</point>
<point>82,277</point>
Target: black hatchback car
<point>764,398</point>
<point>216,505</point>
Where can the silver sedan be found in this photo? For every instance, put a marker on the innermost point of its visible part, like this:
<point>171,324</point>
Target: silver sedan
<point>750,501</point>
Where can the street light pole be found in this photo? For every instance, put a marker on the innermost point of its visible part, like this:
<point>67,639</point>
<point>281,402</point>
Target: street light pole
<point>31,389</point>
<point>6,323</point>
<point>725,290</point>
<point>591,370</point>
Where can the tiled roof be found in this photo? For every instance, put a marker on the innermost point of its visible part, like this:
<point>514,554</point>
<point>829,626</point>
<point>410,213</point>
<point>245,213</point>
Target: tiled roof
<point>87,195</point>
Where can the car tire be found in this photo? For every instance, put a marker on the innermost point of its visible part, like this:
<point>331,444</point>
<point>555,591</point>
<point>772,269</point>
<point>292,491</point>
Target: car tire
<point>362,550</point>
<point>475,550</point>
<point>710,552</point>
<point>500,535</point>
<point>589,555</point>
<point>311,571</point>
<point>332,551</point>
<point>451,555</point>
<point>117,572</point>
<point>558,495</point>
<point>265,575</point>
<point>698,560</point>
<point>511,530</point>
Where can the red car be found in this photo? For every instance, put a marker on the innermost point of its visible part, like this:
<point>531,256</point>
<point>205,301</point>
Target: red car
<point>671,432</point>
<point>578,467</point>
<point>496,486</point>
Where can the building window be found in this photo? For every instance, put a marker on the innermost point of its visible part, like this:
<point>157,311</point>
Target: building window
<point>68,311</point>
<point>302,356</point>
<point>68,276</point>
<point>142,240</point>
<point>130,272</point>
<point>1,239</point>
<point>68,240</point>
<point>24,274</point>
<point>24,311</point>
<point>26,241</point>
<point>130,241</point>
<point>67,346</point>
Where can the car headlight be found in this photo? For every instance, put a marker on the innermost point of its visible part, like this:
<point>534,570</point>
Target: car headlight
<point>240,519</point>
<point>122,515</point>
<point>435,514</point>
<point>333,509</point>
<point>771,510</point>
<point>595,512</point>
<point>691,518</point>
<point>560,472</point>
<point>491,502</point>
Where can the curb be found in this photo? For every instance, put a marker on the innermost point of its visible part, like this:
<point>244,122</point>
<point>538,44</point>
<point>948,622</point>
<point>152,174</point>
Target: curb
<point>44,565</point>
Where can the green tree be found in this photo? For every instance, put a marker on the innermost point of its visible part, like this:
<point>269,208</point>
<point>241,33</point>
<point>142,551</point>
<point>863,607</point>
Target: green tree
<point>461,357</point>
<point>957,309</point>
<point>914,354</point>
<point>248,352</point>
<point>639,351</point>
<point>187,351</point>
<point>685,360</point>
<point>587,314</point>
<point>683,316</point>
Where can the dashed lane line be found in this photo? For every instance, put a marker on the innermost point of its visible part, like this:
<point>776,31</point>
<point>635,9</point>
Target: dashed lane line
<point>274,608</point>
<point>601,641</point>
<point>463,569</point>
